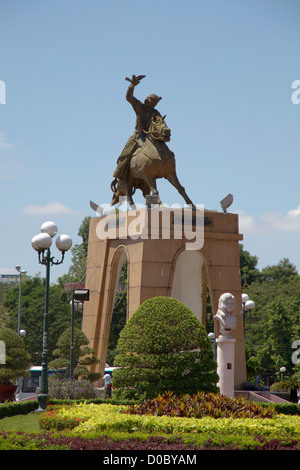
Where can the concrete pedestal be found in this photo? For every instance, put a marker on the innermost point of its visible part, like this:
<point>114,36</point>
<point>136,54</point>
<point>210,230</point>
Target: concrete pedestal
<point>225,365</point>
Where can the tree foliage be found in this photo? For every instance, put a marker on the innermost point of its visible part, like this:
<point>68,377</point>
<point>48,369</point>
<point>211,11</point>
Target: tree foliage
<point>33,304</point>
<point>163,347</point>
<point>283,272</point>
<point>32,314</point>
<point>248,267</point>
<point>290,384</point>
<point>4,314</point>
<point>77,270</point>
<point>16,357</point>
<point>274,324</point>
<point>83,356</point>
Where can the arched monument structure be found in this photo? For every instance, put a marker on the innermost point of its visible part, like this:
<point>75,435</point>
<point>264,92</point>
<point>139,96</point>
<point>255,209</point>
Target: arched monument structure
<point>161,267</point>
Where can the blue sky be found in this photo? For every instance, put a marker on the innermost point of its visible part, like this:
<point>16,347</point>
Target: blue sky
<point>225,70</point>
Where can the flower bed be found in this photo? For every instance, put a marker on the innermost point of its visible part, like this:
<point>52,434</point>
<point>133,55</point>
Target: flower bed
<point>92,421</point>
<point>165,423</point>
<point>53,419</point>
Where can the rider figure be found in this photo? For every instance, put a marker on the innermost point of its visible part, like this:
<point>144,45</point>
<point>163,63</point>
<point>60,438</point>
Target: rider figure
<point>144,112</point>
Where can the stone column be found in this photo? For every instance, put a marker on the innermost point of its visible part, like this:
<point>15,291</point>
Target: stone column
<point>225,365</point>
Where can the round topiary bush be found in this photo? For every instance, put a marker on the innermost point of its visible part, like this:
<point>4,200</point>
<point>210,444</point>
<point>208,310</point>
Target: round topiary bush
<point>163,347</point>
<point>17,360</point>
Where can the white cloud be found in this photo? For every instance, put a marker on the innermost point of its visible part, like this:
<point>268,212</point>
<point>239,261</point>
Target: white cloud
<point>49,209</point>
<point>3,142</point>
<point>275,221</point>
<point>246,222</point>
<point>287,223</point>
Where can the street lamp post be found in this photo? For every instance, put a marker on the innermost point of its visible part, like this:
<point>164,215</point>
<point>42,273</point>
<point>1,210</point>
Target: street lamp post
<point>247,306</point>
<point>282,370</point>
<point>78,297</point>
<point>75,304</point>
<point>42,243</point>
<point>212,337</point>
<point>18,268</point>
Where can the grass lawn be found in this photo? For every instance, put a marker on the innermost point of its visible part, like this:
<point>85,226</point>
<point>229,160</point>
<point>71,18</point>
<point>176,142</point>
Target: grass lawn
<point>25,423</point>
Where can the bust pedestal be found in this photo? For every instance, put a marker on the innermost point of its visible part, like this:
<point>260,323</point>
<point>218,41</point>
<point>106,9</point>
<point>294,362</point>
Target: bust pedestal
<point>225,365</point>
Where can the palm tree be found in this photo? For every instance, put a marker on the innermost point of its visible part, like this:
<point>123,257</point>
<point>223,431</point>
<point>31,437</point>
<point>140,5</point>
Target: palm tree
<point>290,384</point>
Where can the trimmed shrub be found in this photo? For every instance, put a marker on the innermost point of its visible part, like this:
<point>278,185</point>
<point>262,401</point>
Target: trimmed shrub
<point>163,347</point>
<point>18,408</point>
<point>83,355</point>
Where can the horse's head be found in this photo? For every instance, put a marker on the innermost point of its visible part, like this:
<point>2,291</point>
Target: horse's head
<point>158,129</point>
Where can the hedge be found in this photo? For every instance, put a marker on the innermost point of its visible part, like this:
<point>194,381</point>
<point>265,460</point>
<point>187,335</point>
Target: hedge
<point>17,408</point>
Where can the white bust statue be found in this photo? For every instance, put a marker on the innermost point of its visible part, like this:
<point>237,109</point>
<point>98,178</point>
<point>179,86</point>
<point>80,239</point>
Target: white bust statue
<point>225,316</point>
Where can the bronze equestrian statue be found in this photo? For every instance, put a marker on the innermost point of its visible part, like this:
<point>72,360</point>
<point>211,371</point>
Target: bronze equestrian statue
<point>145,157</point>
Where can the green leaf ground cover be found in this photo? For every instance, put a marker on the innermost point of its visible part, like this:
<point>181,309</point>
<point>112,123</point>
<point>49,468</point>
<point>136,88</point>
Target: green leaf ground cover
<point>105,426</point>
<point>93,421</point>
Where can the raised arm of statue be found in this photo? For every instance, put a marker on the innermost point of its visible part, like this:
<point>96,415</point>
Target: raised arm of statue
<point>135,80</point>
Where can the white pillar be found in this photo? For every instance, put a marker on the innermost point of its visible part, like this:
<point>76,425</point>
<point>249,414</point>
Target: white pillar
<point>225,365</point>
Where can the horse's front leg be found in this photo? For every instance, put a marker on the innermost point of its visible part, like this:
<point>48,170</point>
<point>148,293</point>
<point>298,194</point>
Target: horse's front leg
<point>129,191</point>
<point>153,188</point>
<point>173,179</point>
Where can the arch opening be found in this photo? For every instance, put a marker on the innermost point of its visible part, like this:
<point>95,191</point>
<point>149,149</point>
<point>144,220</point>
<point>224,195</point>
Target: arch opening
<point>189,284</point>
<point>119,306</point>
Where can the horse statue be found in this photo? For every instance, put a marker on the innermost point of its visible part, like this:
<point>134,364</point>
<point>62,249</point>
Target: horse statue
<point>152,160</point>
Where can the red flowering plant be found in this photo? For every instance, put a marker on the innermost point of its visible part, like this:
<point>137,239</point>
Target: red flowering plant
<point>52,420</point>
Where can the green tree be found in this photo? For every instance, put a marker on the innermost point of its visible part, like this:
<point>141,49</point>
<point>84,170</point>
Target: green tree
<point>275,322</point>
<point>163,347</point>
<point>289,384</point>
<point>252,365</point>
<point>32,314</point>
<point>4,315</point>
<point>16,357</point>
<point>271,330</point>
<point>282,272</point>
<point>77,270</point>
<point>248,267</point>
<point>83,355</point>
